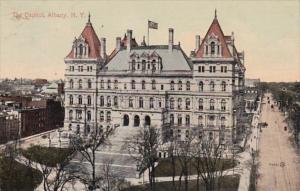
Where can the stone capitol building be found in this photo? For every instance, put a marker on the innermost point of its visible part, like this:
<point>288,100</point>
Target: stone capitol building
<point>158,85</point>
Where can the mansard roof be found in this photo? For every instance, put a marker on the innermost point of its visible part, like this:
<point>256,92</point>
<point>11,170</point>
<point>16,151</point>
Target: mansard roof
<point>171,60</point>
<point>215,30</point>
<point>91,39</point>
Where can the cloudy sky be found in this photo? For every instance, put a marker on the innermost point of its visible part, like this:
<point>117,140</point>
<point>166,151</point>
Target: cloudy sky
<point>36,36</point>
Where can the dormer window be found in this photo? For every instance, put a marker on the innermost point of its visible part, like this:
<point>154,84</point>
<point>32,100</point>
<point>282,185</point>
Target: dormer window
<point>212,48</point>
<point>133,65</point>
<point>143,65</point>
<point>80,50</point>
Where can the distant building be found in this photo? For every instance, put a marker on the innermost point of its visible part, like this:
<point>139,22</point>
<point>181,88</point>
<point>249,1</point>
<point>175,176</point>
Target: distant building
<point>251,82</point>
<point>9,127</point>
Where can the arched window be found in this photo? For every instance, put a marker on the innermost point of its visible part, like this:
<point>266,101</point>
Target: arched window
<point>223,105</point>
<point>179,85</point>
<point>89,116</point>
<point>211,136</point>
<point>187,103</point>
<point>172,85</point>
<point>212,48</point>
<point>179,119</point>
<point>89,84</point>
<point>223,122</point>
<point>79,99</point>
<point>108,84</point>
<point>141,102</point>
<point>101,116</point>
<point>89,100</point>
<point>71,115</point>
<point>143,85</point>
<point>80,84</point>
<point>116,84</point>
<point>206,49</point>
<point>223,86</point>
<point>212,86</point>
<point>102,84</point>
<point>71,100</point>
<point>171,119</point>
<point>200,102</point>
<point>71,84</point>
<point>108,101</point>
<point>200,121</point>
<point>132,84</point>
<point>188,86</point>
<point>153,85</point>
<point>151,103</point>
<point>108,116</point>
<point>201,86</point>
<point>101,100</point>
<point>115,101</point>
<point>143,65</point>
<point>171,103</point>
<point>211,121</point>
<point>212,104</point>
<point>179,104</point>
<point>130,102</point>
<point>187,120</point>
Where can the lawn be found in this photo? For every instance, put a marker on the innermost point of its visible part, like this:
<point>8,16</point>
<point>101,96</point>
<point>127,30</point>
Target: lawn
<point>15,176</point>
<point>229,183</point>
<point>49,156</point>
<point>164,167</point>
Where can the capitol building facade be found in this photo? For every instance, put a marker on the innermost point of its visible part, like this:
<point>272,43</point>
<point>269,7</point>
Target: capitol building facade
<point>157,85</point>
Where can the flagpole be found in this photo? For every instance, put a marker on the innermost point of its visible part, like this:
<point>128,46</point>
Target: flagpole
<point>148,32</point>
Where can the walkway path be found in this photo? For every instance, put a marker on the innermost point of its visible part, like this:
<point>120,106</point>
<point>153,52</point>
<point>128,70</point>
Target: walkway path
<point>279,164</point>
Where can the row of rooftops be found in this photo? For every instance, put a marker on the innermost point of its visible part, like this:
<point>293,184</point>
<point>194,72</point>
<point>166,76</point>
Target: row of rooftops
<point>96,49</point>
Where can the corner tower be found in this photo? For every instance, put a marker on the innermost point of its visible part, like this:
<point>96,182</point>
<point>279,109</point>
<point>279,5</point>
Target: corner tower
<point>86,57</point>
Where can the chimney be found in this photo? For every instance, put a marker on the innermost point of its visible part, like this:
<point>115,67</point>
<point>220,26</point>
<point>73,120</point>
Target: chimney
<point>118,43</point>
<point>129,37</point>
<point>103,48</point>
<point>198,42</point>
<point>171,38</point>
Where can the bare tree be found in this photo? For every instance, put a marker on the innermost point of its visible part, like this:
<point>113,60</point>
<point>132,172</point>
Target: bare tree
<point>209,163</point>
<point>143,149</point>
<point>172,147</point>
<point>86,147</point>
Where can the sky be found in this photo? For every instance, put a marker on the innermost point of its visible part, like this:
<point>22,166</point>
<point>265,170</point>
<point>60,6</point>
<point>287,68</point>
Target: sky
<point>36,36</point>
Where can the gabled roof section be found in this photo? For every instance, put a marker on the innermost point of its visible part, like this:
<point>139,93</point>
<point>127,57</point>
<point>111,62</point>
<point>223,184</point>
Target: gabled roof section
<point>91,39</point>
<point>215,29</point>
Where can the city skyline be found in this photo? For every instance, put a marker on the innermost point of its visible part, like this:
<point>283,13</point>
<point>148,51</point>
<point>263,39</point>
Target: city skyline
<point>270,37</point>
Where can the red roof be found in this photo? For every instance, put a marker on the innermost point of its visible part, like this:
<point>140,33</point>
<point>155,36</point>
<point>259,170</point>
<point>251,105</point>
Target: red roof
<point>92,40</point>
<point>215,28</point>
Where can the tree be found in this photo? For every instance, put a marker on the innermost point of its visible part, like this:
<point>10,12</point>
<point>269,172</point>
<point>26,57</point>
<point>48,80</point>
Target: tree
<point>207,154</point>
<point>87,146</point>
<point>143,149</point>
<point>172,151</point>
<point>54,164</point>
<point>184,156</point>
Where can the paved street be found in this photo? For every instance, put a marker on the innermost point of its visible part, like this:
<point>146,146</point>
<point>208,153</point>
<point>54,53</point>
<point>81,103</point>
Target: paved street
<point>279,164</point>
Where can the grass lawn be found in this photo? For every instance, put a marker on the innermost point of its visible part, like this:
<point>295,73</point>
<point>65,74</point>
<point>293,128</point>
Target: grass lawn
<point>15,176</point>
<point>49,156</point>
<point>164,167</point>
<point>230,183</point>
